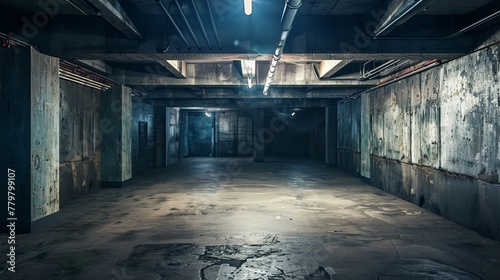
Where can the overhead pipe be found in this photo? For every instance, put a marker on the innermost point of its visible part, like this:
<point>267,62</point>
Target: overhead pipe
<point>417,67</point>
<point>187,23</point>
<point>451,36</point>
<point>212,21</point>
<point>173,22</point>
<point>378,70</point>
<point>201,23</point>
<point>76,7</point>
<point>397,16</point>
<point>289,13</point>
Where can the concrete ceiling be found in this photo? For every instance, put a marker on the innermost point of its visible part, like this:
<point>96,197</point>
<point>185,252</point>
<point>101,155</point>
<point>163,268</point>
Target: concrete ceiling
<point>330,47</point>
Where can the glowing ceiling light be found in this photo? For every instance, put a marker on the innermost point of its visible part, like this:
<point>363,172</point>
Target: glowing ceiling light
<point>248,7</point>
<point>293,114</point>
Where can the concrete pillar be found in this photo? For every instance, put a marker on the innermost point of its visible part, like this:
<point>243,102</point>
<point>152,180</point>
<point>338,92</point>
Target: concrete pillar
<point>331,135</point>
<point>116,157</point>
<point>29,123</point>
<point>258,128</point>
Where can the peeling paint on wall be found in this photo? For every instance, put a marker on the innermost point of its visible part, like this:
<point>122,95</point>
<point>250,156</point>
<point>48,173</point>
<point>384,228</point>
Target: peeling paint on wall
<point>435,139</point>
<point>44,135</point>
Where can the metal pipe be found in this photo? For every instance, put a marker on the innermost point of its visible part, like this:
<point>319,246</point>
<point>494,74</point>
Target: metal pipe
<point>173,22</point>
<point>212,21</point>
<point>398,18</point>
<point>76,7</point>
<point>187,23</point>
<point>201,23</point>
<point>289,13</point>
<point>379,69</point>
<point>456,34</point>
<point>409,71</point>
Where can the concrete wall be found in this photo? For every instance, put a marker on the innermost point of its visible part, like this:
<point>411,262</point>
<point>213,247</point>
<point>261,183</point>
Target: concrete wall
<point>80,140</point>
<point>232,128</point>
<point>29,114</point>
<point>349,136</point>
<point>116,120</point>
<point>143,112</point>
<point>44,135</point>
<point>434,139</point>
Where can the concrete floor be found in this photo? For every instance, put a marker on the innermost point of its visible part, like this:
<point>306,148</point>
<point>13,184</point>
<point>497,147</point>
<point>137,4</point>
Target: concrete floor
<point>206,218</point>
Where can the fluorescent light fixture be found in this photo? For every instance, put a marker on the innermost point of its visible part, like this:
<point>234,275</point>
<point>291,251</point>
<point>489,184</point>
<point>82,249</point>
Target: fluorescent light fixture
<point>248,7</point>
<point>207,114</point>
<point>293,114</point>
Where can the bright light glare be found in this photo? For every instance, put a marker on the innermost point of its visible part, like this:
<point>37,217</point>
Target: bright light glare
<point>207,114</point>
<point>248,7</point>
<point>293,114</point>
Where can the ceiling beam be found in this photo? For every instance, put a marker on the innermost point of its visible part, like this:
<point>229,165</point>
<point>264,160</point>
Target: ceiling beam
<point>176,67</point>
<point>245,103</point>
<point>328,68</point>
<point>226,75</point>
<point>125,57</point>
<point>113,12</point>
<point>275,92</point>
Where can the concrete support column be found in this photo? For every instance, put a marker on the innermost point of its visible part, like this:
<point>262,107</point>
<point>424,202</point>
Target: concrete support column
<point>116,158</point>
<point>331,135</point>
<point>29,123</point>
<point>258,128</point>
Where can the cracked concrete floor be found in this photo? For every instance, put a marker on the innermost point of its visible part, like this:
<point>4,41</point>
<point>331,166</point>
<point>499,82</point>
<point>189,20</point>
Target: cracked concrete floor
<point>206,218</point>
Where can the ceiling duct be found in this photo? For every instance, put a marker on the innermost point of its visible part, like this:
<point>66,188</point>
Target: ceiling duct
<point>289,13</point>
<point>398,12</point>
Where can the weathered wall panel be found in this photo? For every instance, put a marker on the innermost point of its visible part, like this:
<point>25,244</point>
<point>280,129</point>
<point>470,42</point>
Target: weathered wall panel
<point>425,110</point>
<point>470,114</point>
<point>126,120</point>
<point>365,136</point>
<point>80,140</point>
<point>435,140</point>
<point>44,135</point>
<point>349,136</point>
<point>392,118</point>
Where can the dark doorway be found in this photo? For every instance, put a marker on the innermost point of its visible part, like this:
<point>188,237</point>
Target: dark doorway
<point>143,144</point>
